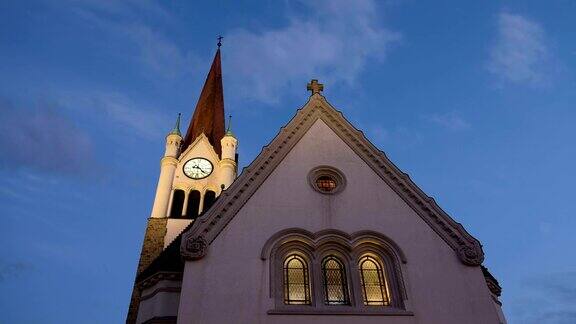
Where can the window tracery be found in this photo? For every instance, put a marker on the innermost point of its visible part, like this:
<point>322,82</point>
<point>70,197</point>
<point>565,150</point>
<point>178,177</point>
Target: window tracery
<point>296,282</point>
<point>334,279</point>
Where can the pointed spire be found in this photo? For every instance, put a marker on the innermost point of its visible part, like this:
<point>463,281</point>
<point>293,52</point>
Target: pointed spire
<point>208,116</point>
<point>176,129</point>
<point>229,129</point>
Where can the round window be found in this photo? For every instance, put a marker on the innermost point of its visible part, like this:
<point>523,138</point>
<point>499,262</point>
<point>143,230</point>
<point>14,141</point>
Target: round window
<point>326,180</point>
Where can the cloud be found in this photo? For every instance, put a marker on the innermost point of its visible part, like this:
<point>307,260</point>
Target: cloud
<point>120,112</point>
<point>160,54</point>
<point>520,53</point>
<point>42,138</point>
<point>548,298</point>
<point>450,121</point>
<point>334,40</point>
<point>126,21</point>
<point>13,270</point>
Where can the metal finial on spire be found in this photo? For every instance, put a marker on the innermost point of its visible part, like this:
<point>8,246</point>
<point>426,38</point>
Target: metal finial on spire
<point>176,129</point>
<point>219,40</point>
<point>229,130</point>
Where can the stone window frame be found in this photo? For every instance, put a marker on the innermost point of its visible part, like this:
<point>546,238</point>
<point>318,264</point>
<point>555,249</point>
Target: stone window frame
<point>349,249</point>
<point>325,170</point>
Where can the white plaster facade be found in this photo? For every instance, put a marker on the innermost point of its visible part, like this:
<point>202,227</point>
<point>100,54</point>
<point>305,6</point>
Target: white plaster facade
<point>229,278</point>
<point>231,283</point>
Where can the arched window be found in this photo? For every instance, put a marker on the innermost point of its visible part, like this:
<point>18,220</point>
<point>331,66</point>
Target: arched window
<point>334,279</point>
<point>209,199</point>
<point>296,282</point>
<point>177,203</point>
<point>374,283</point>
<point>193,204</point>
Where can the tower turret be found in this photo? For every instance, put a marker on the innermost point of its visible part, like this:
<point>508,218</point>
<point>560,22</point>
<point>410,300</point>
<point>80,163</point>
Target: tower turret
<point>229,145</point>
<point>168,165</point>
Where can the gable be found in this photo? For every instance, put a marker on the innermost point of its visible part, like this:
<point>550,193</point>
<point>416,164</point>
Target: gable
<point>206,229</point>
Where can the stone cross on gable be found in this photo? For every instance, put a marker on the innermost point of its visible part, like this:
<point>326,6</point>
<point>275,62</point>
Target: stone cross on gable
<point>315,87</point>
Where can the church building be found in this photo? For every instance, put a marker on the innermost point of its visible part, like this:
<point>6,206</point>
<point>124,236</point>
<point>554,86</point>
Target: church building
<point>321,227</point>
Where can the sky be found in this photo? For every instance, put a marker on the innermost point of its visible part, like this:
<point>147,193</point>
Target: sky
<point>475,100</point>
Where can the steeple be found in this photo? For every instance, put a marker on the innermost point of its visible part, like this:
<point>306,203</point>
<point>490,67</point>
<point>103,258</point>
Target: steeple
<point>229,128</point>
<point>176,129</point>
<point>208,116</point>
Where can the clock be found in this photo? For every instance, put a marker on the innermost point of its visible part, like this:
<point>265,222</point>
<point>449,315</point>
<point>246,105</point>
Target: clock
<point>197,168</point>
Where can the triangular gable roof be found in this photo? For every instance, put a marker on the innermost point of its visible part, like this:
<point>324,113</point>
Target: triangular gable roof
<point>205,229</point>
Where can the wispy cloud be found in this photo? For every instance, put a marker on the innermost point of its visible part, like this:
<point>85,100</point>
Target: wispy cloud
<point>14,270</point>
<point>555,297</point>
<point>125,21</point>
<point>334,41</point>
<point>42,138</point>
<point>520,53</point>
<point>451,121</point>
<point>119,112</point>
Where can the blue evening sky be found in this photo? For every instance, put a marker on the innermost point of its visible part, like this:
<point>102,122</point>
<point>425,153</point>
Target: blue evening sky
<point>476,100</point>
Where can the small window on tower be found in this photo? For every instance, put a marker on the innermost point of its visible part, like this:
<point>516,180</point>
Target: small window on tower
<point>326,180</point>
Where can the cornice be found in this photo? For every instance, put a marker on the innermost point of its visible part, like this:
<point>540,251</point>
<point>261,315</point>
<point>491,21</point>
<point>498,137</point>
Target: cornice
<point>207,227</point>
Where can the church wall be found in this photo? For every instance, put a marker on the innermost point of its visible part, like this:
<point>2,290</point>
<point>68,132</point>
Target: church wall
<point>231,283</point>
<point>159,301</point>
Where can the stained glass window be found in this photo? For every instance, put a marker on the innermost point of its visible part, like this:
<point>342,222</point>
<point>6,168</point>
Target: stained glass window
<point>374,285</point>
<point>326,183</point>
<point>296,282</point>
<point>335,288</point>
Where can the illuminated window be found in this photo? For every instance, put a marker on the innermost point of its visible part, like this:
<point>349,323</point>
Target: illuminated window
<point>296,282</point>
<point>335,288</point>
<point>326,183</point>
<point>374,285</point>
<point>327,180</point>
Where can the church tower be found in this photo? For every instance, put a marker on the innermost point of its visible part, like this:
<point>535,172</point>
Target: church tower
<point>194,171</point>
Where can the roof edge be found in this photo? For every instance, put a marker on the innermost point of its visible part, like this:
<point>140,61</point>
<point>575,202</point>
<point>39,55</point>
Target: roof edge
<point>195,241</point>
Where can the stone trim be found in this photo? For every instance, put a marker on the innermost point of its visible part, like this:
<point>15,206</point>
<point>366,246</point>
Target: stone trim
<point>466,247</point>
<point>391,312</point>
<point>160,276</point>
<point>324,170</point>
<point>159,290</point>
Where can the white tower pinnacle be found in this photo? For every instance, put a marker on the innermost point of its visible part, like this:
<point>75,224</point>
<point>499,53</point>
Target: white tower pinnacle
<point>167,168</point>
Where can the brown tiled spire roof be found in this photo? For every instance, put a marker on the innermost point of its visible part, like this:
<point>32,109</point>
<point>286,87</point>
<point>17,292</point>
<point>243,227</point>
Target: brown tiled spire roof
<point>209,113</point>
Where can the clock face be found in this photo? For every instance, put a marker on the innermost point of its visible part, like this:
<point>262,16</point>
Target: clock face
<point>198,168</point>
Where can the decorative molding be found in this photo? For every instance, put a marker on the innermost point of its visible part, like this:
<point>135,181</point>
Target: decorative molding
<point>492,284</point>
<point>160,276</point>
<point>194,249</point>
<point>161,290</point>
<point>349,249</point>
<point>466,247</point>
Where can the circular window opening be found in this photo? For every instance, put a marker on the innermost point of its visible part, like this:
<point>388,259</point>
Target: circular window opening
<point>326,180</point>
<point>326,183</point>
